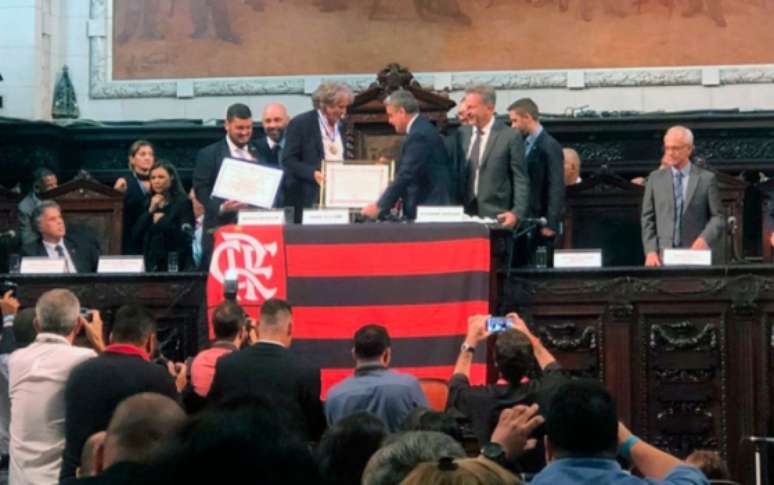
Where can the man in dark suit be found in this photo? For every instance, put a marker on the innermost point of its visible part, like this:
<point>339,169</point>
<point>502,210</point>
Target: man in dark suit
<point>80,251</point>
<point>218,212</point>
<point>273,121</point>
<point>270,371</point>
<point>96,387</point>
<point>423,176</point>
<point>310,138</point>
<point>545,167</point>
<point>681,207</point>
<point>494,175</point>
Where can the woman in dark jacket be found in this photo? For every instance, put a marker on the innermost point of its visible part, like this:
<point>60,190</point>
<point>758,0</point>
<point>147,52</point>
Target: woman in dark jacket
<point>136,189</point>
<point>164,226</point>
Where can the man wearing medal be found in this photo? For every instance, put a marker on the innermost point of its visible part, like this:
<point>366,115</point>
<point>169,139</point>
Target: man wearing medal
<point>310,138</point>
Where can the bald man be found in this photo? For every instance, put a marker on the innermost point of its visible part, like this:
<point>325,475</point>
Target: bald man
<point>681,207</point>
<point>274,120</point>
<point>572,165</point>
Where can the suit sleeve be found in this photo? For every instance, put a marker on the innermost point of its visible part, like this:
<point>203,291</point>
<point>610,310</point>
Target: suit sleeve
<point>717,221</point>
<point>293,153</point>
<point>555,173</point>
<point>204,180</point>
<point>313,407</point>
<point>415,153</point>
<point>520,179</point>
<point>648,218</point>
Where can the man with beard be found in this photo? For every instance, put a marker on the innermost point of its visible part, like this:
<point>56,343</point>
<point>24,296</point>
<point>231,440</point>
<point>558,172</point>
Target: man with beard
<point>269,148</point>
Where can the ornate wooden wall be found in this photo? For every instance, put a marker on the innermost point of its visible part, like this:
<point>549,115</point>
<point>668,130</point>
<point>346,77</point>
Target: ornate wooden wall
<point>687,352</point>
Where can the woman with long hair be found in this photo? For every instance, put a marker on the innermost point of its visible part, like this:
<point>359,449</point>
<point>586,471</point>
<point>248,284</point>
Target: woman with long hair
<point>136,187</point>
<point>162,228</point>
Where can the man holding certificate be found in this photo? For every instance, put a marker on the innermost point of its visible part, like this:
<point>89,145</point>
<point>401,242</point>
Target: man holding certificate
<point>423,176</point>
<point>246,183</point>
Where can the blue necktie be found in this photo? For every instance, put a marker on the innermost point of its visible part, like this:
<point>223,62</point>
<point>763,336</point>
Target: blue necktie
<point>679,202</point>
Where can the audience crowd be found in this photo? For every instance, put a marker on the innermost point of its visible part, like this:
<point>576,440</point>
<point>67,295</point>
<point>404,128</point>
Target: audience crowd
<point>82,401</point>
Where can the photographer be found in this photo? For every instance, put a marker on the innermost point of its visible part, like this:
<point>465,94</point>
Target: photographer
<point>531,373</point>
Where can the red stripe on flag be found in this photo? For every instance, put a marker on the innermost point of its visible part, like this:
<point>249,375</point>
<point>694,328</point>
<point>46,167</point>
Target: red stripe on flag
<point>402,321</point>
<point>331,377</point>
<point>387,259</point>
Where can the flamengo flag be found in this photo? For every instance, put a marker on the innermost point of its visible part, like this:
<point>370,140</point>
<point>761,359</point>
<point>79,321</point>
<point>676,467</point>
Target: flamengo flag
<point>421,281</point>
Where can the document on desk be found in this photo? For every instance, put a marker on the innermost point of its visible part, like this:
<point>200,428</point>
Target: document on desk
<point>247,182</point>
<point>354,185</point>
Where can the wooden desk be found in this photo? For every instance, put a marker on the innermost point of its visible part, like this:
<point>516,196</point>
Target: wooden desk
<point>175,299</point>
<point>688,353</point>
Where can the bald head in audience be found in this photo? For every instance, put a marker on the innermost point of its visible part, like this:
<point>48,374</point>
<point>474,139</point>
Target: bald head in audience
<point>141,427</point>
<point>89,455</point>
<point>572,164</point>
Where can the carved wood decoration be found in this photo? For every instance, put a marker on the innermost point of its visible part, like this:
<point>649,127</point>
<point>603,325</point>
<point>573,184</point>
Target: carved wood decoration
<point>689,352</point>
<point>366,131</point>
<point>91,204</point>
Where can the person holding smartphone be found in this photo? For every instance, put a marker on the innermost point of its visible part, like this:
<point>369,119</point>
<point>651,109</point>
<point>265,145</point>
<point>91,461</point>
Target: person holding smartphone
<point>531,376</point>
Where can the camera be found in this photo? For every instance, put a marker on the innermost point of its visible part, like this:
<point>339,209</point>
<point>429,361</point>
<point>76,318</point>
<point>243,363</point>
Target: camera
<point>7,286</point>
<point>86,314</point>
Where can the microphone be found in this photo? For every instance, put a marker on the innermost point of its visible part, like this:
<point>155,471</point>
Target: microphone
<point>9,234</point>
<point>538,221</point>
<point>759,439</point>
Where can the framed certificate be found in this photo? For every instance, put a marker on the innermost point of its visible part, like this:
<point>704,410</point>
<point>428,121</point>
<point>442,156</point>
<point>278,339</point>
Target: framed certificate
<point>247,182</point>
<point>354,183</point>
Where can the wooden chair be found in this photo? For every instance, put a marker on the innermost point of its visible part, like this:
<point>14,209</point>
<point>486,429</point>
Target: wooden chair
<point>436,391</point>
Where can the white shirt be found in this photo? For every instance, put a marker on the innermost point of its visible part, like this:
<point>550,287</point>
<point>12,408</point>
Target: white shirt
<point>333,145</point>
<point>37,377</point>
<point>53,254</point>
<point>236,152</point>
<point>485,131</point>
<point>411,123</point>
<point>5,403</point>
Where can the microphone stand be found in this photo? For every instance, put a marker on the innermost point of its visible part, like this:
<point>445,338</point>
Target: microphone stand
<point>761,445</point>
<point>516,234</point>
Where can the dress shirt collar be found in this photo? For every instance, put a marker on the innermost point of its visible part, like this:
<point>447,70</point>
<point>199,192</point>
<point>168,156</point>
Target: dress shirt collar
<point>273,143</point>
<point>533,136</point>
<point>686,171</point>
<point>368,368</point>
<point>487,128</point>
<point>411,123</point>
<point>237,151</point>
<point>51,338</point>
<point>52,246</point>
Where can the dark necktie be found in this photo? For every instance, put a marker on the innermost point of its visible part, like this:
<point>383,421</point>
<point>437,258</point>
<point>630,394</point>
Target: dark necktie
<point>679,202</point>
<point>473,166</point>
<point>60,251</point>
<point>275,154</point>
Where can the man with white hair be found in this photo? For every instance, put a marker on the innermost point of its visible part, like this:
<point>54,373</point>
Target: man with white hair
<point>37,376</point>
<point>681,207</point>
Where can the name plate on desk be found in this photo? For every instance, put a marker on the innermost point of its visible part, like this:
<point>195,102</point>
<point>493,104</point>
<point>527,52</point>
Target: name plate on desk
<point>315,217</point>
<point>564,258</point>
<point>121,264</point>
<point>687,257</point>
<point>261,218</point>
<point>431,213</point>
<point>42,265</point>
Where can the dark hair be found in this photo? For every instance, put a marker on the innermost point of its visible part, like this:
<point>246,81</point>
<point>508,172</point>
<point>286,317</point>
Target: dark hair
<point>271,308</point>
<point>346,447</point>
<point>525,106</point>
<point>371,341</point>
<point>582,420</point>
<point>514,356</point>
<point>422,419</point>
<point>132,324</point>
<point>227,319</point>
<point>248,440</point>
<point>238,110</point>
<point>38,175</point>
<point>175,191</point>
<point>23,328</point>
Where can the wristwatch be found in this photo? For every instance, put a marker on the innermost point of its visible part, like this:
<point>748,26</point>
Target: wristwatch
<point>494,452</point>
<point>467,348</point>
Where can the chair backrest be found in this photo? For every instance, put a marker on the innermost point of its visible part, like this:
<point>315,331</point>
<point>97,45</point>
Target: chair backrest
<point>437,392</point>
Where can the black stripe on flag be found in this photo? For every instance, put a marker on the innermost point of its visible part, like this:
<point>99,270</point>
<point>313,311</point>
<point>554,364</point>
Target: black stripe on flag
<point>407,352</point>
<point>383,233</point>
<point>389,290</point>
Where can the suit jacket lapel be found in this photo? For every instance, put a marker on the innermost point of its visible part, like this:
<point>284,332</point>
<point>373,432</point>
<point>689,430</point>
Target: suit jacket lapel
<point>533,153</point>
<point>693,181</point>
<point>496,129</point>
<point>466,137</point>
<point>315,127</point>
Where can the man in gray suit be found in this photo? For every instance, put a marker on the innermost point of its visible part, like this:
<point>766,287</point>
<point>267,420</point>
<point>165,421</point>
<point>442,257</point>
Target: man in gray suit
<point>493,177</point>
<point>681,207</point>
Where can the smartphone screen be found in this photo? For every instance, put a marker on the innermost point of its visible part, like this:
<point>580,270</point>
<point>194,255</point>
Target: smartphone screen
<point>498,324</point>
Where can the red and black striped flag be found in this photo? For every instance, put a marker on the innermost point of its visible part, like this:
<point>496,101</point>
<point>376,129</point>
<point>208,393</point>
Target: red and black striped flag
<point>421,281</point>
